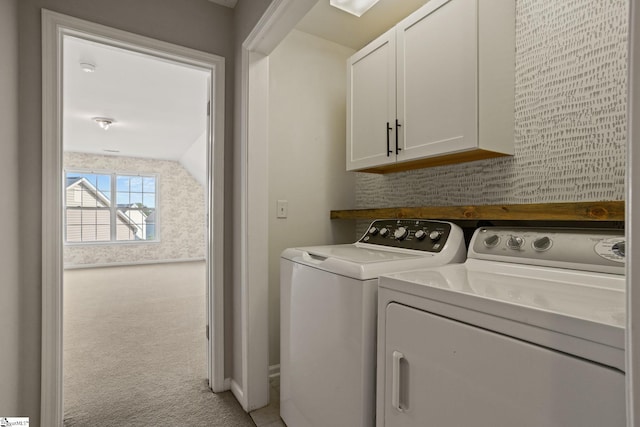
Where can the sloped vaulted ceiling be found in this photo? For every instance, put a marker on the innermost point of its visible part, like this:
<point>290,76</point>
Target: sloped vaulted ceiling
<point>159,107</point>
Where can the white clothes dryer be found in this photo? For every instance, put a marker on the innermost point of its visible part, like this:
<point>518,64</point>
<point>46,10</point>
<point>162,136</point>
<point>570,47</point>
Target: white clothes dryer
<point>528,332</point>
<point>328,305</point>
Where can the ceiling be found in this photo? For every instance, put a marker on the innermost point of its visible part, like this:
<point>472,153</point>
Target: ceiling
<point>159,106</point>
<point>333,24</point>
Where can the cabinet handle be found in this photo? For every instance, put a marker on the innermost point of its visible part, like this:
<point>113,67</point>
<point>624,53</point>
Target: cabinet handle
<point>388,148</point>
<point>395,386</point>
<point>398,149</point>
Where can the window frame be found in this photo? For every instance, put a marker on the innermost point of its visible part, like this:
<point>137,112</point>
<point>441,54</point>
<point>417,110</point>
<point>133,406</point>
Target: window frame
<point>113,174</point>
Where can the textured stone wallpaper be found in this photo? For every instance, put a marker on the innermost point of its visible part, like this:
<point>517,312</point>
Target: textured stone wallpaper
<point>570,118</point>
<point>181,206</point>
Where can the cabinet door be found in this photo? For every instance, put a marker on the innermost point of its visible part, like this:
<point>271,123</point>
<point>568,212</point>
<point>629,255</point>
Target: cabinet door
<point>437,79</point>
<point>439,372</point>
<point>371,104</point>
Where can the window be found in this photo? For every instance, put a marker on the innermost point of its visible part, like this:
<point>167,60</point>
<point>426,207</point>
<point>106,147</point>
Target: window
<point>91,215</point>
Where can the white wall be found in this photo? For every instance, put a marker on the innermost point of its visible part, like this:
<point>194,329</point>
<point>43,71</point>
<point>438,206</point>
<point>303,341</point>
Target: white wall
<point>194,158</point>
<point>181,214</point>
<point>307,111</point>
<point>12,391</point>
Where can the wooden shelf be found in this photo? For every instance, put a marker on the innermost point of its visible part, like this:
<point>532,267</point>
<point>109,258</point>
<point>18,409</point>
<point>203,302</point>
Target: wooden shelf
<point>577,211</point>
<point>429,162</point>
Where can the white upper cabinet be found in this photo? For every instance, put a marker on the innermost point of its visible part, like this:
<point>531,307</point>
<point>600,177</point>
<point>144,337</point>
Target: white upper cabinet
<point>436,80</point>
<point>443,81</point>
<point>371,104</point>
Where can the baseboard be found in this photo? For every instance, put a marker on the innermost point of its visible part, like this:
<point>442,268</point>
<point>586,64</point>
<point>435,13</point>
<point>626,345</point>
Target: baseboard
<point>274,371</point>
<point>237,391</point>
<point>129,263</point>
<point>227,384</point>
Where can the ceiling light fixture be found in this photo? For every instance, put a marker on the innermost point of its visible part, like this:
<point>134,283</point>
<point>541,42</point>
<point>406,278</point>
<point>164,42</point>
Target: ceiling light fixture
<point>354,7</point>
<point>87,67</point>
<point>104,122</point>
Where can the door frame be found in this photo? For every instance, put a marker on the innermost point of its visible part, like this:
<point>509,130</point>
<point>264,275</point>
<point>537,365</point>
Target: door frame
<point>631,224</point>
<point>275,24</point>
<point>54,27</point>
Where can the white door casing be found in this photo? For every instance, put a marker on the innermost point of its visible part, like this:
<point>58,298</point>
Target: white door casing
<point>278,20</point>
<point>632,228</point>
<point>54,27</point>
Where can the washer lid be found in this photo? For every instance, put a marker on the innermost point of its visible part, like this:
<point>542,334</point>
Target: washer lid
<point>361,254</point>
<point>586,305</point>
<point>359,261</point>
<point>413,248</point>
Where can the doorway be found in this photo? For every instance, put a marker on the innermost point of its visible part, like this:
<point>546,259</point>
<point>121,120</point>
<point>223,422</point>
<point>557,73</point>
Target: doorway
<point>134,165</point>
<point>121,225</point>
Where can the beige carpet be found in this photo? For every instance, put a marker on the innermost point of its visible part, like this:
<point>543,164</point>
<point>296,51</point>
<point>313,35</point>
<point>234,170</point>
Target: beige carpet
<point>134,349</point>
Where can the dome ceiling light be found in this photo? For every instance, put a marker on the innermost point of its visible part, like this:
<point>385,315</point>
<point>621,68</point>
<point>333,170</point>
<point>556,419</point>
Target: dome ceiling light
<point>88,67</point>
<point>104,122</point>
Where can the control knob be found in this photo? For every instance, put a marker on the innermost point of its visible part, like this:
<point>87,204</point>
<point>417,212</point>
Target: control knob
<point>373,231</point>
<point>491,241</point>
<point>515,242</point>
<point>618,248</point>
<point>420,234</point>
<point>542,244</point>
<point>401,233</point>
<point>435,235</point>
<point>384,231</point>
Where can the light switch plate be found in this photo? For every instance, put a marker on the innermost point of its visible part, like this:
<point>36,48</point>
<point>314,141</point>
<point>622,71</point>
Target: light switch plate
<point>282,208</point>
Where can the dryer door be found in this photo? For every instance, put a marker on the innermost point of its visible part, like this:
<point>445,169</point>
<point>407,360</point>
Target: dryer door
<point>440,372</point>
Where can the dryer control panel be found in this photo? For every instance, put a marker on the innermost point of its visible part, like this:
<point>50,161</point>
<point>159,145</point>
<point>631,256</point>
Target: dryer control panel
<point>580,249</point>
<point>415,234</point>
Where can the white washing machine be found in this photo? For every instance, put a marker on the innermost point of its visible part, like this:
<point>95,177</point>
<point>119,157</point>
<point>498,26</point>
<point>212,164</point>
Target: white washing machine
<point>528,332</point>
<point>328,304</point>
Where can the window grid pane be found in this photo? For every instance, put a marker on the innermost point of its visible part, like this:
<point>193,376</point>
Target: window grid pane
<point>89,210</point>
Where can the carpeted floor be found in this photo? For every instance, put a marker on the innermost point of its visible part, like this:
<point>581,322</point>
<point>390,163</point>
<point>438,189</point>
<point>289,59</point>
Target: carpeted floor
<point>134,349</point>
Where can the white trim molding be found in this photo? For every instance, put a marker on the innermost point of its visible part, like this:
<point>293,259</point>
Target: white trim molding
<point>236,389</point>
<point>275,24</point>
<point>279,19</point>
<point>255,314</point>
<point>274,371</point>
<point>51,376</point>
<point>632,225</point>
<point>55,27</point>
<point>131,264</point>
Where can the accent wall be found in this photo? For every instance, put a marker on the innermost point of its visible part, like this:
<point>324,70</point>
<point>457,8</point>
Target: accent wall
<point>570,118</point>
<point>181,215</point>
